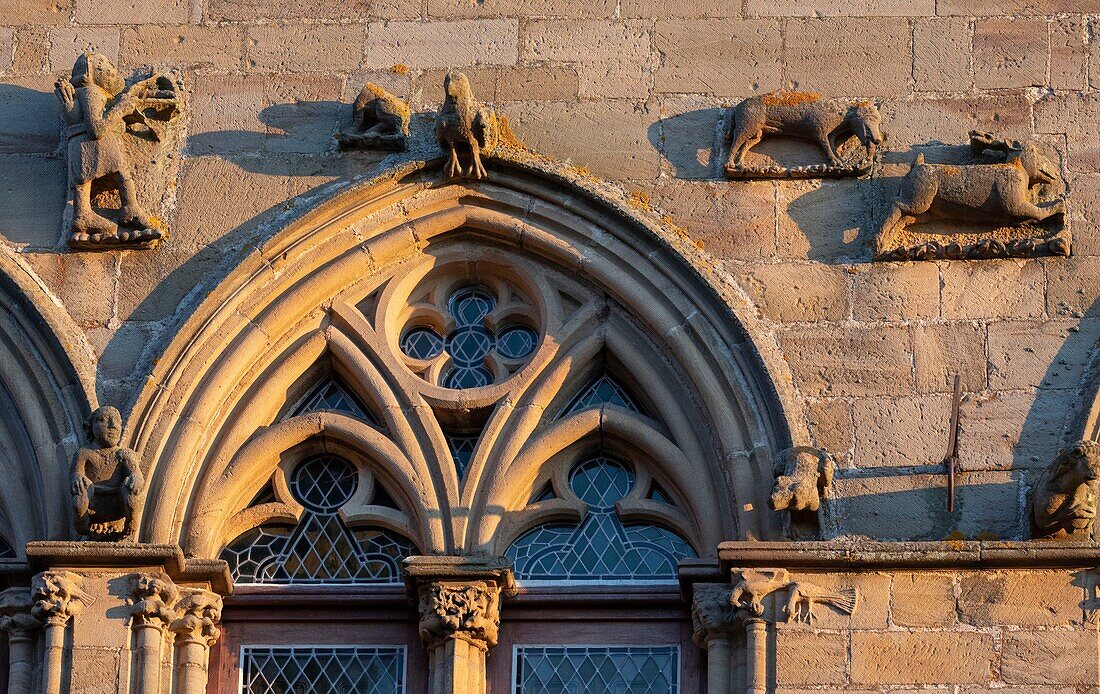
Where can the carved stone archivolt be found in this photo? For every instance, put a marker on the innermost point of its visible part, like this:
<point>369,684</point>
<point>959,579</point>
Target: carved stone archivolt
<point>107,484</point>
<point>1063,502</point>
<point>847,132</point>
<point>119,139</point>
<point>379,120</point>
<point>1007,201</point>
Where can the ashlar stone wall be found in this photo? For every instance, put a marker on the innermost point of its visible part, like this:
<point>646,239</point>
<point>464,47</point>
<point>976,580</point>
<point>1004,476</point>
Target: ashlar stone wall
<point>633,91</point>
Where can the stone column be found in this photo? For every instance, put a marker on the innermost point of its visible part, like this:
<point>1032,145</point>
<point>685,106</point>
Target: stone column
<point>751,587</point>
<point>713,619</point>
<point>152,596</point>
<point>58,597</point>
<point>195,627</point>
<point>20,625</point>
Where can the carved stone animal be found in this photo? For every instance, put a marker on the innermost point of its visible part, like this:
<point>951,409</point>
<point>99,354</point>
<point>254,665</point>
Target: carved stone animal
<point>756,584</point>
<point>804,595</point>
<point>107,485</point>
<point>379,119</point>
<point>992,193</point>
<point>465,124</point>
<point>806,474</point>
<point>803,115</point>
<point>1064,501</point>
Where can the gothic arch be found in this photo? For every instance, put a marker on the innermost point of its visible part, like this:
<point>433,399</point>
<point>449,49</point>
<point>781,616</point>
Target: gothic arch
<point>362,258</point>
<point>46,392</point>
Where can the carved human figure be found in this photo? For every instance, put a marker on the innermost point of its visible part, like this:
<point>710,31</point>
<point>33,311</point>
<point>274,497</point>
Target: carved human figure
<point>98,107</point>
<point>379,120</point>
<point>1064,500</point>
<point>465,124</point>
<point>107,484</point>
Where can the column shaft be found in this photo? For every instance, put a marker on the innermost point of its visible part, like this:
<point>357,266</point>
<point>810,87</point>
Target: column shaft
<point>756,651</point>
<point>20,661</point>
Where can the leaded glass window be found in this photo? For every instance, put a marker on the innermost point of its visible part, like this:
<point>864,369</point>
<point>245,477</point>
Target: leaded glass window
<point>321,548</point>
<point>462,450</point>
<point>597,669</point>
<point>331,396</point>
<point>602,391</point>
<point>602,547</point>
<point>6,550</point>
<point>323,669</point>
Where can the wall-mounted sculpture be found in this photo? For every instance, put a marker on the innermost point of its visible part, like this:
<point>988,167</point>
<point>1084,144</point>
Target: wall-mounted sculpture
<point>803,475</point>
<point>848,132</point>
<point>109,126</point>
<point>1063,503</point>
<point>803,596</point>
<point>1006,203</point>
<point>465,125</point>
<point>108,488</point>
<point>379,120</point>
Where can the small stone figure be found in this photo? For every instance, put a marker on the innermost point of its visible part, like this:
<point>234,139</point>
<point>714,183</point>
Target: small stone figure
<point>1017,192</point>
<point>379,121</point>
<point>99,111</point>
<point>463,123</point>
<point>756,584</point>
<point>1064,501</point>
<point>805,116</point>
<point>107,485</point>
<point>803,476</point>
<point>803,595</point>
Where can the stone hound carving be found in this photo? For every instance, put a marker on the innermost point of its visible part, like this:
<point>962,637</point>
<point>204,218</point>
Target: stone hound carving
<point>99,109</point>
<point>379,121</point>
<point>806,474</point>
<point>107,484</point>
<point>1005,192</point>
<point>803,595</point>
<point>1064,501</point>
<point>803,115</point>
<point>755,584</point>
<point>465,124</point>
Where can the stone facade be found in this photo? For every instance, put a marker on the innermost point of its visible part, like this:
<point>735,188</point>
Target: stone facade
<point>801,374</point>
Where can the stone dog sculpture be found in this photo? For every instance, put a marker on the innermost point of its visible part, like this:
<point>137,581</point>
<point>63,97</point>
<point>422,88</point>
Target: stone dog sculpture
<point>806,116</point>
<point>1000,192</point>
<point>98,108</point>
<point>107,485</point>
<point>379,119</point>
<point>465,124</point>
<point>1064,501</point>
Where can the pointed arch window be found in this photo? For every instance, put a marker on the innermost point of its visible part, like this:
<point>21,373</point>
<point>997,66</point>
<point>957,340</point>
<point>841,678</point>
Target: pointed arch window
<point>604,390</point>
<point>332,396</point>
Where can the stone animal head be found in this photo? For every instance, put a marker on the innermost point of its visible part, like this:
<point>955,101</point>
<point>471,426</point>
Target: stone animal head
<point>1065,501</point>
<point>866,123</point>
<point>95,69</point>
<point>104,427</point>
<point>1032,160</point>
<point>457,86</point>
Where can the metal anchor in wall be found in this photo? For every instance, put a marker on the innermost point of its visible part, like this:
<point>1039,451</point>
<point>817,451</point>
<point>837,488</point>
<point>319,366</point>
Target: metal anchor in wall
<point>951,463</point>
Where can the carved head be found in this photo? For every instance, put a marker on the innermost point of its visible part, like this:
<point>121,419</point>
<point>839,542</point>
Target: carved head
<point>457,86</point>
<point>104,427</point>
<point>1065,501</point>
<point>94,69</point>
<point>1037,166</point>
<point>866,123</point>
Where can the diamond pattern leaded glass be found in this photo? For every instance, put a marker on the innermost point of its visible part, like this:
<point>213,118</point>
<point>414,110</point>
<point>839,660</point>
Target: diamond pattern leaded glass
<point>517,342</point>
<point>331,396</point>
<point>597,670</point>
<point>321,548</point>
<point>6,550</point>
<point>462,451</point>
<point>422,343</point>
<point>603,391</point>
<point>323,670</point>
<point>601,548</point>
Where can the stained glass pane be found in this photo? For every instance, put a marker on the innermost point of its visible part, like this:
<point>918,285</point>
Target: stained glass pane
<point>323,669</point>
<point>597,670</point>
<point>467,377</point>
<point>6,550</point>
<point>331,396</point>
<point>469,345</point>
<point>603,391</point>
<point>422,343</point>
<point>324,483</point>
<point>470,306</point>
<point>462,451</point>
<point>517,342</point>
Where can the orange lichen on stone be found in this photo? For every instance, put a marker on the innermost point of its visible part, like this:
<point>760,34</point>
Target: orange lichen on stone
<point>640,200</point>
<point>786,98</point>
<point>507,136</point>
<point>400,69</point>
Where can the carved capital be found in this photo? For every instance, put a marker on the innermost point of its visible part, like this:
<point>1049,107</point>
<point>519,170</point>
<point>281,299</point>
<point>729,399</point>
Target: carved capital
<point>152,598</point>
<point>58,596</point>
<point>15,611</point>
<point>467,610</point>
<point>197,615</point>
<point>751,586</point>
<point>712,611</point>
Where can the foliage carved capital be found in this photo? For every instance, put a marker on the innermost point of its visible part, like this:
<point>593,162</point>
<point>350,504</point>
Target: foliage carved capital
<point>460,610</point>
<point>58,596</point>
<point>15,611</point>
<point>196,617</point>
<point>152,596</point>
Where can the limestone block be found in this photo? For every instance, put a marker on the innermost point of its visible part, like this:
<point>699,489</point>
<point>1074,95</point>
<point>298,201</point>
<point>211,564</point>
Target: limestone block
<point>152,291</point>
<point>85,282</point>
<point>30,192</point>
<point>993,289</point>
<point>979,8</point>
<point>809,659</point>
<point>218,196</point>
<point>17,12</point>
<point>946,119</point>
<point>687,135</point>
<point>1018,598</point>
<point>1032,354</point>
<point>1013,429</point>
<point>1069,53</point>
<point>923,600</point>
<point>749,52</point>
<point>7,48</point>
<point>823,54</point>
<point>188,46</point>
<point>67,44</point>
<point>32,47</point>
<point>679,9</point>
<point>872,605</point>
<point>734,220</point>
<point>797,292</point>
<point>926,657</point>
<point>96,670</point>
<point>120,350</point>
<point>225,114</point>
<point>1072,289</point>
<point>941,49</point>
<point>443,44</point>
<point>840,8</point>
<point>134,12</point>
<point>305,47</point>
<point>29,120</point>
<point>1050,657</point>
<point>251,10</point>
<point>897,432</point>
<point>612,58</point>
<point>1010,53</point>
<point>831,426</point>
<point>1086,214</point>
<point>303,113</point>
<point>898,291</point>
<point>572,9</point>
<point>825,363</point>
<point>525,82</point>
<point>827,221</point>
<point>942,350</point>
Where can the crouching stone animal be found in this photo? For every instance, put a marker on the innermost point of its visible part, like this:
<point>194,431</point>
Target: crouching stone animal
<point>465,124</point>
<point>806,116</point>
<point>1064,501</point>
<point>379,120</point>
<point>1000,193</point>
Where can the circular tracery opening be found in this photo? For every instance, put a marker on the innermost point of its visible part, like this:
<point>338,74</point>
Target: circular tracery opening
<point>324,483</point>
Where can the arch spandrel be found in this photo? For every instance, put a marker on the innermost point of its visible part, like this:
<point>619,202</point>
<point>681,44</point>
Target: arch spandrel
<point>322,287</point>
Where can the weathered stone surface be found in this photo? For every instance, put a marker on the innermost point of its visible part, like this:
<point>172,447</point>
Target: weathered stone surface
<point>613,59</point>
<point>734,221</point>
<point>251,10</point>
<point>32,214</point>
<point>679,9</point>
<point>1012,429</point>
<point>32,49</point>
<point>226,114</point>
<point>1009,7</point>
<point>443,44</point>
<point>749,52</point>
<point>1010,53</point>
<point>1050,658</point>
<point>67,44</point>
<point>941,49</point>
<point>305,47</point>
<point>1072,289</point>
<point>218,47</point>
<point>175,276</point>
<point>303,114</point>
<point>923,600</point>
<point>993,289</point>
<point>792,293</point>
<point>872,601</point>
<point>831,426</point>
<point>1086,232</point>
<point>1016,598</point>
<point>823,54</point>
<point>573,9</point>
<point>809,659</point>
<point>825,363</point>
<point>1034,354</point>
<point>927,657</point>
<point>826,221</point>
<point>896,292</point>
<point>899,432</point>
<point>29,120</point>
<point>7,48</point>
<point>134,12</point>
<point>947,119</point>
<point>525,82</point>
<point>841,8</point>
<point>85,282</point>
<point>256,197</point>
<point>942,350</point>
<point>1069,53</point>
<point>17,12</point>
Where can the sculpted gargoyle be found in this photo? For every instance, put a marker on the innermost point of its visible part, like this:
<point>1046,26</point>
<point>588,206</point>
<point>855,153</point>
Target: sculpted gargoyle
<point>107,485</point>
<point>806,116</point>
<point>1064,501</point>
<point>379,119</point>
<point>465,124</point>
<point>1003,193</point>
